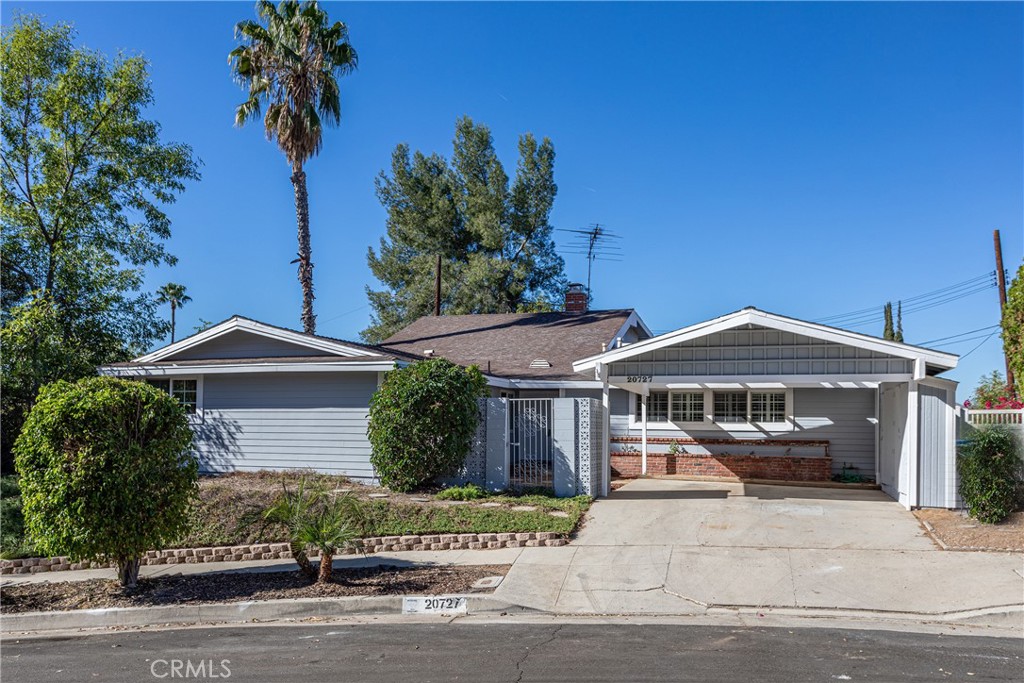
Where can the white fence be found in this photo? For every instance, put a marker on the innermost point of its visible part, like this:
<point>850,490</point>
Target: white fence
<point>980,418</point>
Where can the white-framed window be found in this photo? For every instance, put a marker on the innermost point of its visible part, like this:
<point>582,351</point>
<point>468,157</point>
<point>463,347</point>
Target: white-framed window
<point>752,407</point>
<point>730,406</point>
<point>686,406</point>
<point>188,391</point>
<point>767,406</point>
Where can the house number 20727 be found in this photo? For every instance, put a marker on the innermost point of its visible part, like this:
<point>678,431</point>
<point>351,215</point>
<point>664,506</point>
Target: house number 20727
<point>638,378</point>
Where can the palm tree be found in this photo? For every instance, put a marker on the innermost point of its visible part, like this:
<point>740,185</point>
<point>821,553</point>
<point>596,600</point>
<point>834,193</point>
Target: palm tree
<point>292,64</point>
<point>174,295</point>
<point>314,517</point>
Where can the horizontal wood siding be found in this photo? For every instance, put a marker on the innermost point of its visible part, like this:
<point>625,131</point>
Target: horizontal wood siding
<point>841,416</point>
<point>246,345</point>
<point>286,421</point>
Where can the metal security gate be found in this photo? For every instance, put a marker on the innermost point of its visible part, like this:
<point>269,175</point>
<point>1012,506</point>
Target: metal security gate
<point>530,447</point>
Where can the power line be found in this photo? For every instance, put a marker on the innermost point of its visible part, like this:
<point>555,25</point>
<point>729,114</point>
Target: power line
<point>954,336</point>
<point>914,304</point>
<point>978,346</point>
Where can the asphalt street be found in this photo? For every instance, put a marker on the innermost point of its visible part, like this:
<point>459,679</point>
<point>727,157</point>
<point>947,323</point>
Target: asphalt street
<point>468,651</point>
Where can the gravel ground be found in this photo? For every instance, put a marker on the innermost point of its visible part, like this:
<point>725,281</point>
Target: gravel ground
<point>176,590</point>
<point>958,531</point>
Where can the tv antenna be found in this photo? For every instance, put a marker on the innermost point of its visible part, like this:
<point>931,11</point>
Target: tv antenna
<point>597,243</point>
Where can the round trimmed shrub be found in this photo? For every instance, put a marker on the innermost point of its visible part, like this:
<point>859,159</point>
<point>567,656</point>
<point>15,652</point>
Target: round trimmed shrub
<point>989,465</point>
<point>422,421</point>
<point>106,471</point>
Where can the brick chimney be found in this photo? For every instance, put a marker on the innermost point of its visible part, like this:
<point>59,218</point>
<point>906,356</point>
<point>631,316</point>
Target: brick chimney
<point>576,298</point>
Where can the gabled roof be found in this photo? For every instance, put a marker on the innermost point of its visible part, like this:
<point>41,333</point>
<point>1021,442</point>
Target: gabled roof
<point>751,316</point>
<point>516,345</point>
<point>329,347</point>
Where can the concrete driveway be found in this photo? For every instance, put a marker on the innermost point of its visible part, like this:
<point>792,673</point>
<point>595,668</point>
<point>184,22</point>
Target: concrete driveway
<point>679,547</point>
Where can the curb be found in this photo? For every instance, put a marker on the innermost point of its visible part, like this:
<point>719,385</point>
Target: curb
<point>232,612</point>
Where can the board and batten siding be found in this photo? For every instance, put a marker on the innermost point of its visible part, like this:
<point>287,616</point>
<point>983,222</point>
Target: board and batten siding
<point>240,344</point>
<point>844,417</point>
<point>937,468</point>
<point>286,421</point>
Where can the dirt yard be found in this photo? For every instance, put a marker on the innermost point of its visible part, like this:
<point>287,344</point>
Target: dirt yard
<point>960,532</point>
<point>200,588</point>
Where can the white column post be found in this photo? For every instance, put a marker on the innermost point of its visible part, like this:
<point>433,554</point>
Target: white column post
<point>878,427</point>
<point>606,406</point>
<point>643,433</point>
<point>913,416</point>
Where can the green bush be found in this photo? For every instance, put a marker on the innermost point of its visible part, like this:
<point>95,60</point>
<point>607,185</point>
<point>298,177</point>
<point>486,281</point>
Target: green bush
<point>989,465</point>
<point>422,420</point>
<point>13,543</point>
<point>106,471</point>
<point>467,492</point>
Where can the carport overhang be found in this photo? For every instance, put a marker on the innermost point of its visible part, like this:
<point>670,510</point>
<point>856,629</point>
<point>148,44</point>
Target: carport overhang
<point>924,364</point>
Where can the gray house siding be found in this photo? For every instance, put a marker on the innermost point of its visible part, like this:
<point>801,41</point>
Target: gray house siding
<point>246,345</point>
<point>286,420</point>
<point>759,351</point>
<point>841,416</point>
<point>937,474</point>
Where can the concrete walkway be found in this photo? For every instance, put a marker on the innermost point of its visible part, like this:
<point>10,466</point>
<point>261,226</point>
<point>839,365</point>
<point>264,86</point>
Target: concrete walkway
<point>677,547</point>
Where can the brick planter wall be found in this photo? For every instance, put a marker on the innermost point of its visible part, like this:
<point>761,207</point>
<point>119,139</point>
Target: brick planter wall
<point>778,467</point>
<point>274,551</point>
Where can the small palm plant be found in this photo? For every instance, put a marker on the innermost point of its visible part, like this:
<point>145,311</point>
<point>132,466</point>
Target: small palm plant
<point>313,517</point>
<point>330,525</point>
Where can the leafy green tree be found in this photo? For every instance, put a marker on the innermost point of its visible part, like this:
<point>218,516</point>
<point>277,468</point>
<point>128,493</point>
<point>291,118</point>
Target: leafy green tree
<point>422,420</point>
<point>291,63</point>
<point>898,334</point>
<point>39,348</point>
<point>887,331</point>
<point>1013,329</point>
<point>174,295</point>
<point>84,178</point>
<point>106,471</point>
<point>494,239</point>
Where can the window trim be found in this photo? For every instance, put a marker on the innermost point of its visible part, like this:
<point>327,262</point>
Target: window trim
<point>193,418</point>
<point>788,424</point>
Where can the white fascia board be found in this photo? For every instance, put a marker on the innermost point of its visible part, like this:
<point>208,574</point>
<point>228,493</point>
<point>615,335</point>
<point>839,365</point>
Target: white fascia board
<point>245,325</point>
<point>246,368</point>
<point>634,319</point>
<point>775,322</point>
<point>761,382</point>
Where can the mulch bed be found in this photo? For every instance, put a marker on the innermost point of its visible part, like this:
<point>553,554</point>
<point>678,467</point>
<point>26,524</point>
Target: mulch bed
<point>238,587</point>
<point>960,532</point>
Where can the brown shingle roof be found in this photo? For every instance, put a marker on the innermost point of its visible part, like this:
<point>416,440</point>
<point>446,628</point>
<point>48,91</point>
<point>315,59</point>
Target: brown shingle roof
<point>504,345</point>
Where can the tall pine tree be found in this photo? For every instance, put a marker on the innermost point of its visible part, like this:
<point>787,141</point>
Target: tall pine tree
<point>898,335</point>
<point>495,241</point>
<point>888,332</point>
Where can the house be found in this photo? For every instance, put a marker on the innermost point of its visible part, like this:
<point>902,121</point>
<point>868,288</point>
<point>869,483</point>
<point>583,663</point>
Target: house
<point>752,395</point>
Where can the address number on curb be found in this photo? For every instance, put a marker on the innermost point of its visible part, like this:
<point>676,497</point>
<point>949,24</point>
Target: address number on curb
<point>428,605</point>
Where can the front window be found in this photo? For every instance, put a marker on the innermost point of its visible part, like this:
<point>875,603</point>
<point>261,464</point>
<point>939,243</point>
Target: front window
<point>730,406</point>
<point>687,406</point>
<point>657,407</point>
<point>185,390</point>
<point>768,406</point>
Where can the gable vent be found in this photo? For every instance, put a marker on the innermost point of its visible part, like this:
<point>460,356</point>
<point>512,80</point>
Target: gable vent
<point>540,363</point>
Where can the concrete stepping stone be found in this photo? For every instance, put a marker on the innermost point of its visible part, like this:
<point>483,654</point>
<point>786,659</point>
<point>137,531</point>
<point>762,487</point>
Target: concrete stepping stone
<point>558,513</point>
<point>420,500</point>
<point>524,508</point>
<point>378,495</point>
<point>490,505</point>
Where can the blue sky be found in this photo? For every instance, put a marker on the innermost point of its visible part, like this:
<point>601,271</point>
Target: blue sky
<point>807,159</point>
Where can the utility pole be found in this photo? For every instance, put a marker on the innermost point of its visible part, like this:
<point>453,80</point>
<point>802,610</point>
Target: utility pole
<point>437,287</point>
<point>1001,279</point>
